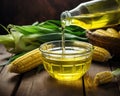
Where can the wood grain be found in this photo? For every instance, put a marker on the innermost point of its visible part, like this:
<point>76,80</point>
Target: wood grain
<point>8,81</point>
<point>41,84</point>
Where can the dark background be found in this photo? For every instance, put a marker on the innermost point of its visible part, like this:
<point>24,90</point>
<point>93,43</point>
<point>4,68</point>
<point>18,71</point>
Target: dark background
<point>22,12</point>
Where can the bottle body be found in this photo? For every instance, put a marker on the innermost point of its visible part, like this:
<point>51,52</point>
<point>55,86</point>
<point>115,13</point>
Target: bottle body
<point>93,14</point>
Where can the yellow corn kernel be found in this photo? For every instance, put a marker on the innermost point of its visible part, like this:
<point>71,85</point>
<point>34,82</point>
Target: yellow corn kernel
<point>113,32</point>
<point>100,54</point>
<point>26,62</point>
<point>103,77</point>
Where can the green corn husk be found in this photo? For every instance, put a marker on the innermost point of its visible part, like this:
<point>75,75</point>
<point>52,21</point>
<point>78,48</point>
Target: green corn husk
<point>28,37</point>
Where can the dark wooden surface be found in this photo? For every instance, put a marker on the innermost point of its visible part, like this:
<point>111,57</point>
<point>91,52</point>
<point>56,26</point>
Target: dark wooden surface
<point>35,83</point>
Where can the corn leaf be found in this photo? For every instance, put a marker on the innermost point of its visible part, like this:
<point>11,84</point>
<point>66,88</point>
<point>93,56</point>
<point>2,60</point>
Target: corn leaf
<point>28,37</point>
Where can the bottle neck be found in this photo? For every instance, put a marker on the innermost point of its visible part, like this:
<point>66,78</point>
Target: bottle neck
<point>64,18</point>
<point>65,14</point>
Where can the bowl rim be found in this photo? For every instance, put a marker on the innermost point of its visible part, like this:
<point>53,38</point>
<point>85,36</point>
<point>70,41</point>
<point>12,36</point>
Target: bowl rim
<point>88,50</point>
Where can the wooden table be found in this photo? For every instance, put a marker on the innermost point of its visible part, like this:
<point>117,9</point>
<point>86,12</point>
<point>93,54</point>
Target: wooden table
<point>35,83</point>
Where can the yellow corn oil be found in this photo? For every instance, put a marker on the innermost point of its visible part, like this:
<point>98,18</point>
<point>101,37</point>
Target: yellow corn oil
<point>71,65</point>
<point>93,21</point>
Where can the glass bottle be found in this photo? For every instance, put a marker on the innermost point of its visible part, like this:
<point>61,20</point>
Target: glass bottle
<point>93,14</point>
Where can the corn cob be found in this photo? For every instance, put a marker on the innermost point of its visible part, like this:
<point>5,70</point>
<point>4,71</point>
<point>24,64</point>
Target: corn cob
<point>106,76</point>
<point>26,62</point>
<point>101,32</point>
<point>103,77</point>
<point>100,54</point>
<point>113,32</point>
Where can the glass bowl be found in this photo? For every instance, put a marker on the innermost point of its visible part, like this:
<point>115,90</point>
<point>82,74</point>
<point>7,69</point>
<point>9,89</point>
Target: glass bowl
<point>69,63</point>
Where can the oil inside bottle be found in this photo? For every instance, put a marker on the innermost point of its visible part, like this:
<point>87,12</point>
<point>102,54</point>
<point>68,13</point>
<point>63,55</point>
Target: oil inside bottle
<point>94,21</point>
